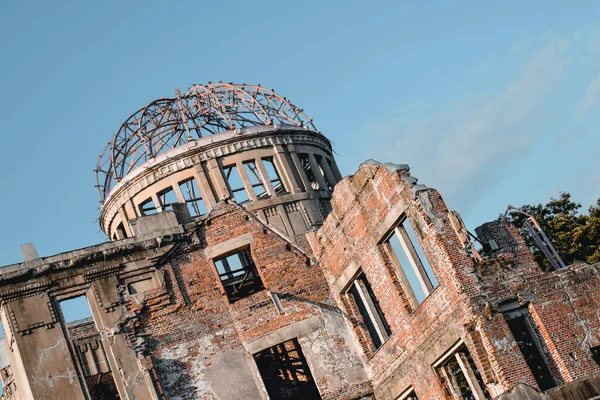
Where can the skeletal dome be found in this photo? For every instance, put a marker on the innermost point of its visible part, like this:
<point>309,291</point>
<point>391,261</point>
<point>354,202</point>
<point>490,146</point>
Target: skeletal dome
<point>188,146</point>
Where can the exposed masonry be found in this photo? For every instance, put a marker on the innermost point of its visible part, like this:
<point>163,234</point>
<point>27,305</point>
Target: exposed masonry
<point>275,286</point>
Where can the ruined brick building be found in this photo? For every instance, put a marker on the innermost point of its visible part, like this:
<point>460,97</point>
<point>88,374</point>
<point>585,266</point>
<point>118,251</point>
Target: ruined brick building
<point>242,265</point>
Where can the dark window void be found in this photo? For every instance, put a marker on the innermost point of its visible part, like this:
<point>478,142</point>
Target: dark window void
<point>274,176</point>
<point>369,309</point>
<point>238,191</point>
<point>461,378</point>
<point>408,253</point>
<point>239,275</point>
<point>523,330</point>
<point>74,309</point>
<point>596,354</point>
<point>310,174</point>
<point>256,180</point>
<point>120,232</point>
<point>167,198</point>
<point>193,197</point>
<point>102,387</point>
<point>147,207</point>
<point>285,372</point>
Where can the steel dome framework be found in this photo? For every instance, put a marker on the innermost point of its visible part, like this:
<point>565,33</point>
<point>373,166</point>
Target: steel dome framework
<point>203,110</point>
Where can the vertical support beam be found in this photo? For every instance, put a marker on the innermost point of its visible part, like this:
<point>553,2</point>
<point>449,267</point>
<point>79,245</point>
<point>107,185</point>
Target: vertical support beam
<point>314,166</point>
<point>371,310</point>
<point>159,207</point>
<point>335,170</point>
<point>282,164</point>
<point>265,177</point>
<point>132,380</point>
<point>328,173</point>
<point>216,177</point>
<point>300,170</point>
<point>205,188</point>
<point>178,193</point>
<point>414,259</point>
<point>245,180</point>
<point>469,374</point>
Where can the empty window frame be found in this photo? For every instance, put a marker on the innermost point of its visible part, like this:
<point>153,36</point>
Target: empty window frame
<point>407,252</point>
<point>236,185</point>
<point>75,309</point>
<point>147,207</point>
<point>285,372</point>
<point>193,197</point>
<point>239,275</point>
<point>166,198</point>
<point>460,376</point>
<point>523,329</point>
<point>256,179</point>
<point>273,175</point>
<point>369,309</point>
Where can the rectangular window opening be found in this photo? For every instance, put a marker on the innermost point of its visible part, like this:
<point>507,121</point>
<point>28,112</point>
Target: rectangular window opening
<point>147,207</point>
<point>239,275</point>
<point>75,309</point>
<point>256,180</point>
<point>523,329</point>
<point>285,372</point>
<point>234,180</point>
<point>370,311</point>
<point>274,176</point>
<point>167,198</point>
<point>460,377</point>
<point>404,245</point>
<point>193,197</point>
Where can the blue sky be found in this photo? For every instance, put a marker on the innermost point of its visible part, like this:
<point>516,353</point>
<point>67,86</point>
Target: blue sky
<point>492,104</point>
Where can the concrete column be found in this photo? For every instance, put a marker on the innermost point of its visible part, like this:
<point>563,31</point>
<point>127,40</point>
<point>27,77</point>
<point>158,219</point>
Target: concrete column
<point>132,382</point>
<point>335,170</point>
<point>301,172</point>
<point>314,166</point>
<point>159,207</point>
<point>204,185</point>
<point>286,174</point>
<point>246,180</point>
<point>178,193</point>
<point>328,173</point>
<point>265,177</point>
<point>216,177</point>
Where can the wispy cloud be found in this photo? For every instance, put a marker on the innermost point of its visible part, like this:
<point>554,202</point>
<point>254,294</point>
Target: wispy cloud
<point>592,94</point>
<point>473,137</point>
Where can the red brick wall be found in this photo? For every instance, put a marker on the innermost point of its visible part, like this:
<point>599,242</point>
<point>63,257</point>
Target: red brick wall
<point>192,322</point>
<point>465,305</point>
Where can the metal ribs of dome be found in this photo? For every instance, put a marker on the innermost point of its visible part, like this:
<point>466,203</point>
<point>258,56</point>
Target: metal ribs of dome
<point>203,110</point>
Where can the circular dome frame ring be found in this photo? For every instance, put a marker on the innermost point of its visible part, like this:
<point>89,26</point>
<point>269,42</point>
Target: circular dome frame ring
<point>203,110</point>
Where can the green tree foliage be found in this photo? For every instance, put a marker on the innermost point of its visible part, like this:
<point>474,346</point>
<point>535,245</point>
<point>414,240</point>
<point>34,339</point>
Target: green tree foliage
<point>575,236</point>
